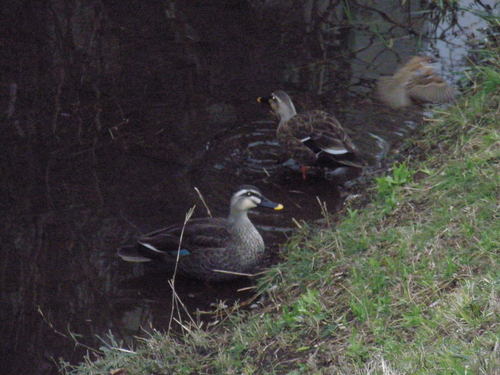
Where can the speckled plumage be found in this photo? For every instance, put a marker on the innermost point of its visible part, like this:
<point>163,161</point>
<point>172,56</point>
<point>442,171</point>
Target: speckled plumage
<point>313,138</point>
<point>209,244</point>
<point>414,82</point>
<point>323,129</point>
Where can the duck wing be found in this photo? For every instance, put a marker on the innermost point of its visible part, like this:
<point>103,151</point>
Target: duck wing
<point>326,134</point>
<point>198,234</point>
<point>292,135</point>
<point>320,132</point>
<point>430,87</point>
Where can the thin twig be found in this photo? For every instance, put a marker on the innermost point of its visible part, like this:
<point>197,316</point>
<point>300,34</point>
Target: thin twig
<point>203,201</point>
<point>178,299</point>
<point>324,210</point>
<point>246,288</point>
<point>235,273</point>
<point>71,336</point>
<point>296,223</point>
<point>172,281</point>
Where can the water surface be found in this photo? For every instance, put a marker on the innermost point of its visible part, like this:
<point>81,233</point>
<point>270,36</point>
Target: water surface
<point>111,120</point>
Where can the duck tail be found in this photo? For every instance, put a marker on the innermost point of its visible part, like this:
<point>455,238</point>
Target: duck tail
<point>138,254</point>
<point>349,163</point>
<point>331,161</point>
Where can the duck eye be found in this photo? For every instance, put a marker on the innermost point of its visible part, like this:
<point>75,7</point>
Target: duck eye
<point>248,194</point>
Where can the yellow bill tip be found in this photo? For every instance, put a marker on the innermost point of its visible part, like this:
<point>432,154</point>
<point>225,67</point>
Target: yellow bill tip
<point>279,207</point>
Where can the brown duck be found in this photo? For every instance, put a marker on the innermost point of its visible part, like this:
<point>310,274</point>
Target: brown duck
<point>211,248</point>
<point>415,82</point>
<point>313,138</point>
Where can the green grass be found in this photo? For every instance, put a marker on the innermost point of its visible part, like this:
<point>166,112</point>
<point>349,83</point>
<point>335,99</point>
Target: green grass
<point>405,285</point>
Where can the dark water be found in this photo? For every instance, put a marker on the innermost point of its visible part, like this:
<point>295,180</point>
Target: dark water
<point>111,120</point>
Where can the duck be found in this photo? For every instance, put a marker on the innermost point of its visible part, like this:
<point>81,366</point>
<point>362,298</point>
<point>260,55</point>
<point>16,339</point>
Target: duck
<point>210,249</point>
<point>415,82</point>
<point>313,138</point>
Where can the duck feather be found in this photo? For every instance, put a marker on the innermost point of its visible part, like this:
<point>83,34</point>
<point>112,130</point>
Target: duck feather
<point>308,135</point>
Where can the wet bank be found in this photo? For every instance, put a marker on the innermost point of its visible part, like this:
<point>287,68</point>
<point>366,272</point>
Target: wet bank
<point>401,284</point>
<point>113,113</point>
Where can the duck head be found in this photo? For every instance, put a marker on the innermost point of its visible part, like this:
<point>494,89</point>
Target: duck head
<point>248,197</point>
<point>281,105</point>
<point>416,66</point>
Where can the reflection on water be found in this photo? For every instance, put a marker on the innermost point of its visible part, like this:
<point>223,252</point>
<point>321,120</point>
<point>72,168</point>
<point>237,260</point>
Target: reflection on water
<point>108,131</point>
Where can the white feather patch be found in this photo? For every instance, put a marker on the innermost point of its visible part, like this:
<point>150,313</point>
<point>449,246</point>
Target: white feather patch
<point>151,247</point>
<point>244,191</point>
<point>135,258</point>
<point>335,151</point>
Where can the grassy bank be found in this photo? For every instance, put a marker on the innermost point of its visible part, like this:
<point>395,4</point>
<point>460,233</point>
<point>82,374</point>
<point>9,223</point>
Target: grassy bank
<point>405,285</point>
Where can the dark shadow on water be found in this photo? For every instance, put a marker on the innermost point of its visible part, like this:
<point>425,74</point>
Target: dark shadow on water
<point>112,112</point>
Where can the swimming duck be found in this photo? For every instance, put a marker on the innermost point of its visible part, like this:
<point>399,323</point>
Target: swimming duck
<point>416,81</point>
<point>313,138</point>
<point>209,245</point>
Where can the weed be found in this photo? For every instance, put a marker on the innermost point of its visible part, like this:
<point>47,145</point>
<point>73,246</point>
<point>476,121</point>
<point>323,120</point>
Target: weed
<point>388,186</point>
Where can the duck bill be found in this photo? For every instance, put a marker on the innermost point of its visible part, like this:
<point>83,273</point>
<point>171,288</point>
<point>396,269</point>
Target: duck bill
<point>263,99</point>
<point>269,204</point>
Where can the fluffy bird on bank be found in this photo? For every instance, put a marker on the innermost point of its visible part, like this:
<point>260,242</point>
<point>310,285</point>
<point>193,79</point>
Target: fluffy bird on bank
<point>211,249</point>
<point>414,82</point>
<point>312,138</point>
